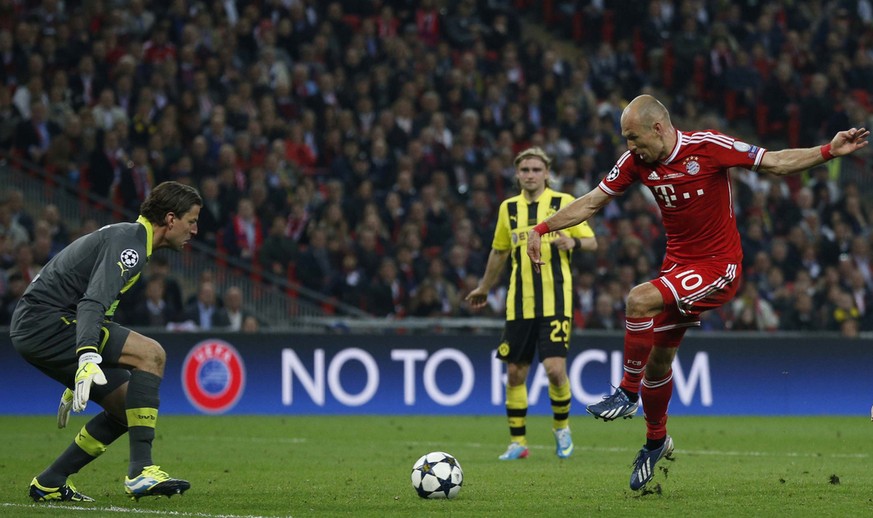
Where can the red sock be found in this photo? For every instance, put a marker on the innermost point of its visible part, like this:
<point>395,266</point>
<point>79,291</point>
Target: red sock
<point>656,397</point>
<point>637,344</point>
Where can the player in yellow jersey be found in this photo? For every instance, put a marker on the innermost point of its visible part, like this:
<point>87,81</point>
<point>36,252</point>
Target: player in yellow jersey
<point>539,305</point>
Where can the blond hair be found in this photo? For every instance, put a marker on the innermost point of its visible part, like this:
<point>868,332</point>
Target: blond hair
<point>534,152</point>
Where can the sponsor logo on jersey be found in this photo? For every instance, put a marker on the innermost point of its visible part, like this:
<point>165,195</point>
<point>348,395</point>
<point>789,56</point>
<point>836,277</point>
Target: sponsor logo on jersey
<point>213,376</point>
<point>753,151</point>
<point>654,176</point>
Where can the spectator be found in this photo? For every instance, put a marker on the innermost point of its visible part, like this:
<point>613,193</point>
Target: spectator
<point>234,310</point>
<point>844,315</point>
<point>136,180</point>
<point>19,213</point>
<point>15,234</point>
<point>243,235</point>
<point>351,282</point>
<point>153,310</point>
<point>604,315</point>
<point>315,267</point>
<point>426,301</point>
<point>107,113</point>
<point>385,295</point>
<point>204,312</point>
<point>55,226</point>
<point>251,325</point>
<point>159,267</point>
<point>801,316</point>
<point>752,312</point>
<point>213,215</point>
<point>15,289</point>
<point>278,250</point>
<point>33,136</point>
<point>24,265</point>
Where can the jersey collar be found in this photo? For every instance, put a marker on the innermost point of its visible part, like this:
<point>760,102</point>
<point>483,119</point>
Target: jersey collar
<point>675,148</point>
<point>150,233</point>
<point>545,191</point>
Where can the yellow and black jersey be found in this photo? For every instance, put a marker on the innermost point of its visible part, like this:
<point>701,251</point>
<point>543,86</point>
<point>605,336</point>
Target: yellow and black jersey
<point>531,294</point>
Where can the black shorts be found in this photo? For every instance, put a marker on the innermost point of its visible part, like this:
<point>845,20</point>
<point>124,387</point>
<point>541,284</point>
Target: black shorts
<point>46,338</point>
<point>549,336</point>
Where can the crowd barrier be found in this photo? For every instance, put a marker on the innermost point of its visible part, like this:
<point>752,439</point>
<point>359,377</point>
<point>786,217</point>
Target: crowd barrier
<point>288,374</point>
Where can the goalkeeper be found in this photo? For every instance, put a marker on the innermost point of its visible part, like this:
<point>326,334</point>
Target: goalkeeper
<point>62,326</point>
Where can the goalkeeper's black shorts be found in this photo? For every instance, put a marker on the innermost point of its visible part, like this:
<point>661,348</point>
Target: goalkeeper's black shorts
<point>46,338</point>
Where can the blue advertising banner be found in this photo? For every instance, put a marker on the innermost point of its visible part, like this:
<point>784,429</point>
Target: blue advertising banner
<point>457,374</point>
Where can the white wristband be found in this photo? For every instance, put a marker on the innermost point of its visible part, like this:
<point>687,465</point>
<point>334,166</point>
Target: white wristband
<point>90,358</point>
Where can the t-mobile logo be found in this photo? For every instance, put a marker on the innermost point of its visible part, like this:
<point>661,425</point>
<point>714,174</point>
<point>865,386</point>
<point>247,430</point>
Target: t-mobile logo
<point>666,193</point>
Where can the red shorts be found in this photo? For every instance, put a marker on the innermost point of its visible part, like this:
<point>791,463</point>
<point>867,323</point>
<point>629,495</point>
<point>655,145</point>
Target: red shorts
<point>689,290</point>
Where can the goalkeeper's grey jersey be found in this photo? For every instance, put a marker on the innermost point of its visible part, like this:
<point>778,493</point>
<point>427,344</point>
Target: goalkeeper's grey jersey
<point>87,276</point>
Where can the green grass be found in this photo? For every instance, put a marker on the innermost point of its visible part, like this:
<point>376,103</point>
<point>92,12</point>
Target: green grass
<point>359,466</point>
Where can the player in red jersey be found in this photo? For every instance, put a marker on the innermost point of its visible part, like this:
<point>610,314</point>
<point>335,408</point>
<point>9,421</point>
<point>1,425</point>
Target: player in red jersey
<point>687,172</point>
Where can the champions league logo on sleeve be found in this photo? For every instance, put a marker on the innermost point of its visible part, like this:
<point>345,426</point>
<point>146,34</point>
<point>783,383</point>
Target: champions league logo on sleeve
<point>213,376</point>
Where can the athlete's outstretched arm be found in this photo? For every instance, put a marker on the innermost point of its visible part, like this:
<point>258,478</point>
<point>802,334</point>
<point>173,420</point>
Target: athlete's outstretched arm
<point>789,161</point>
<point>579,210</point>
<point>496,262</point>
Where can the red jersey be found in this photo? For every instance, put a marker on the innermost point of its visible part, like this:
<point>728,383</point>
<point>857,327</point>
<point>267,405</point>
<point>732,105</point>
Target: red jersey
<point>693,190</point>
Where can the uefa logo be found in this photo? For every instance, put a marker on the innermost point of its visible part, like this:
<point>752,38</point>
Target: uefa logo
<point>213,376</point>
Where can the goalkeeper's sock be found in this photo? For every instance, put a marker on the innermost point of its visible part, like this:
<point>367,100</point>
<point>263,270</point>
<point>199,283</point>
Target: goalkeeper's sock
<point>141,407</point>
<point>560,399</point>
<point>516,412</point>
<point>638,340</point>
<point>90,443</point>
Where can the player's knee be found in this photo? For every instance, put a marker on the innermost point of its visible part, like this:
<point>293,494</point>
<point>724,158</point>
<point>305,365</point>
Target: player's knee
<point>635,307</point>
<point>643,301</point>
<point>155,357</point>
<point>515,374</point>
<point>555,372</point>
<point>660,362</point>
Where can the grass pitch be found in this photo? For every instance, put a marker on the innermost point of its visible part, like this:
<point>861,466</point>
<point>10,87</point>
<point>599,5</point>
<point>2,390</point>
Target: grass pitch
<point>252,466</point>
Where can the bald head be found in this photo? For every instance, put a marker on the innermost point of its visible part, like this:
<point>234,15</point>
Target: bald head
<point>646,110</point>
<point>645,124</point>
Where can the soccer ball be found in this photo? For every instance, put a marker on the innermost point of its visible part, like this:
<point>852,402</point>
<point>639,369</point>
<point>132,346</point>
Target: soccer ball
<point>437,475</point>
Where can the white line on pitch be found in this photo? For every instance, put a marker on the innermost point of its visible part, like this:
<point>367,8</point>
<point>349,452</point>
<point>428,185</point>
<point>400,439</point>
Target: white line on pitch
<point>123,510</point>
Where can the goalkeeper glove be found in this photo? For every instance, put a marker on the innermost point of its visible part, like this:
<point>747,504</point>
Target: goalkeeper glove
<point>89,372</point>
<point>64,408</point>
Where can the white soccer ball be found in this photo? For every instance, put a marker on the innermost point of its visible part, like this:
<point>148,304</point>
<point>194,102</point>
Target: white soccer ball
<point>437,475</point>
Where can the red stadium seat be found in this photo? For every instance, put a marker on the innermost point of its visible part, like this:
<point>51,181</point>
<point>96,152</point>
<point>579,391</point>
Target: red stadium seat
<point>699,78</point>
<point>577,25</point>
<point>549,12</point>
<point>668,66</point>
<point>607,30</point>
<point>639,49</point>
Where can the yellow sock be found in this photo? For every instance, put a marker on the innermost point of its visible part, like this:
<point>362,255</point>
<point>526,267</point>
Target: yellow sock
<point>560,398</point>
<point>516,413</point>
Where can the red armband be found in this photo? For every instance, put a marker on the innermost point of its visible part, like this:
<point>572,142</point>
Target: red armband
<point>826,152</point>
<point>542,228</point>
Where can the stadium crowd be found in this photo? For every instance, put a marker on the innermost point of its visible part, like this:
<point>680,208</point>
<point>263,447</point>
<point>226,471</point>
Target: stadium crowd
<point>361,148</point>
